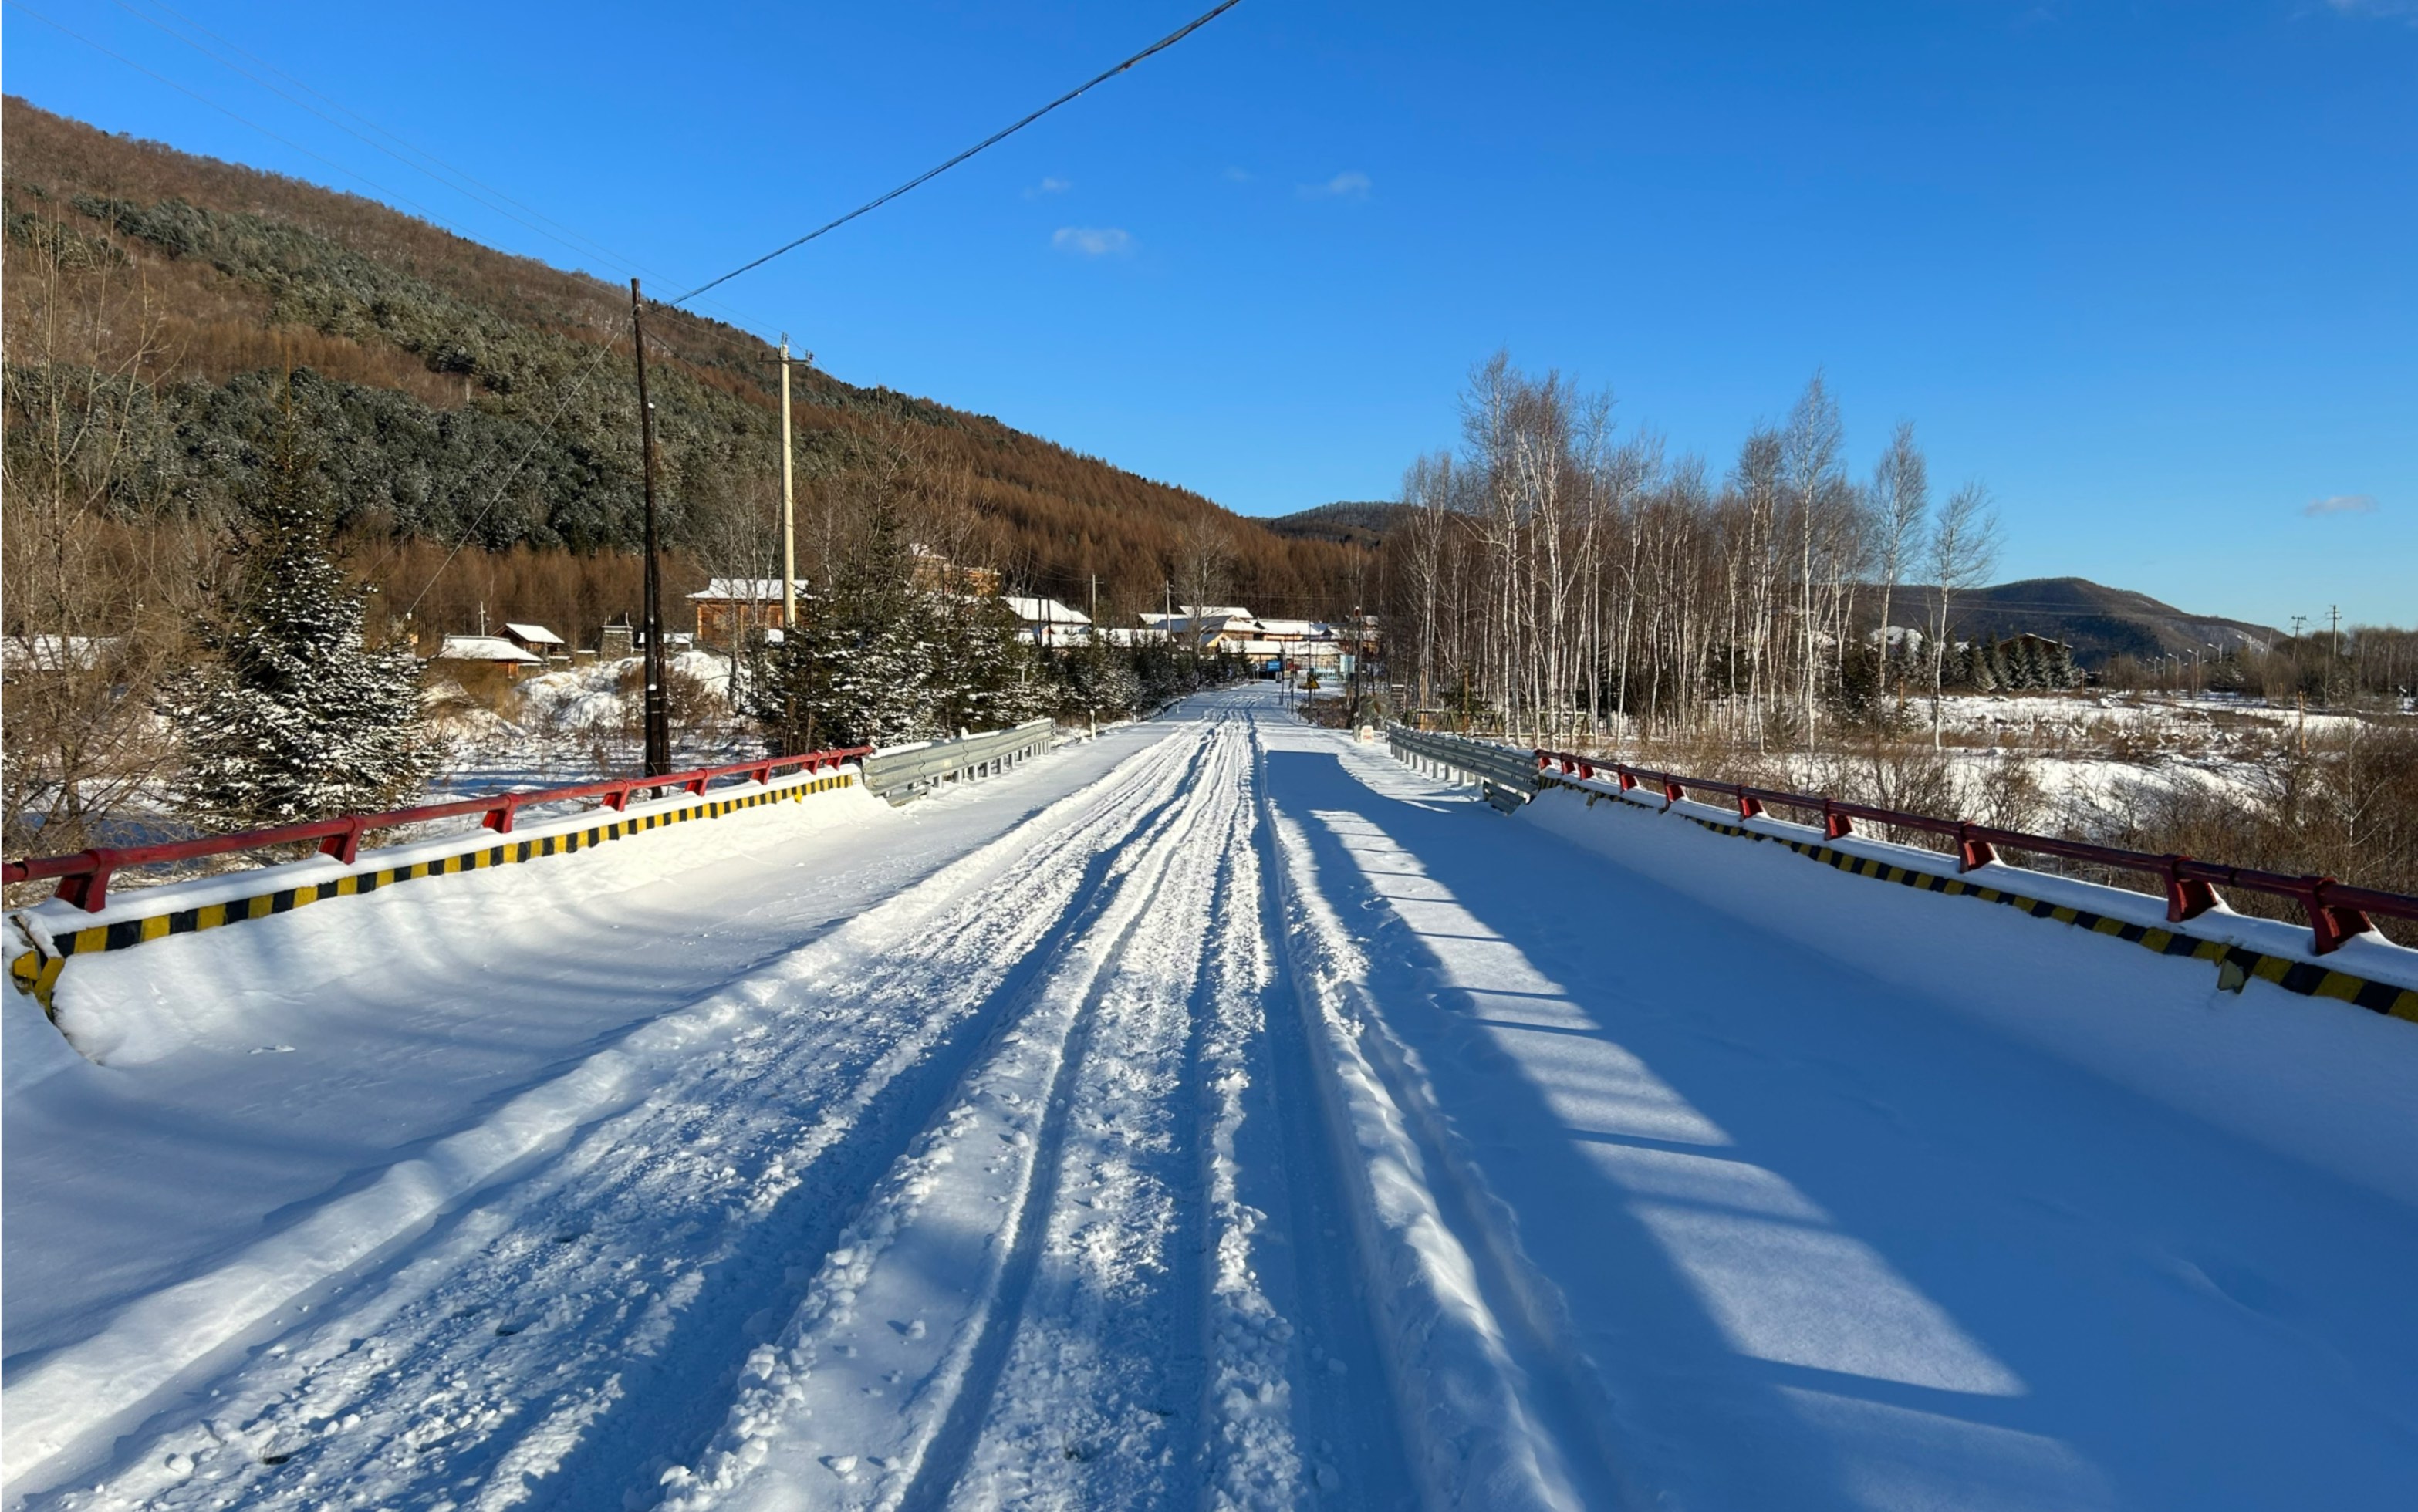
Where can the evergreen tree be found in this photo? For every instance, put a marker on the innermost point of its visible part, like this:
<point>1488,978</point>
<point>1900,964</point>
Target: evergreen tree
<point>991,677</point>
<point>1101,678</point>
<point>877,661</point>
<point>2030,671</point>
<point>295,719</point>
<point>2061,671</point>
<point>1979,675</point>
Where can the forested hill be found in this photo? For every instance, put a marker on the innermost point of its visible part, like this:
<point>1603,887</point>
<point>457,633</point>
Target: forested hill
<point>1346,521</point>
<point>460,393</point>
<point>2098,622</point>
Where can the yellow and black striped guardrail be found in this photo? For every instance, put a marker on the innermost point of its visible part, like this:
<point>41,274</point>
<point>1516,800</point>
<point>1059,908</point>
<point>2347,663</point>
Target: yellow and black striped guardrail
<point>2235,964</point>
<point>36,969</point>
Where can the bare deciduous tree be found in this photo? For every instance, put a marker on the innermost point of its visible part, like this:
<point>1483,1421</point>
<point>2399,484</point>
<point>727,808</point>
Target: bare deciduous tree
<point>1964,549</point>
<point>102,593</point>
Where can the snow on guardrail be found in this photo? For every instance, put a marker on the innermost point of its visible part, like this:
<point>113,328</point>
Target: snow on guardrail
<point>2194,921</point>
<point>83,918</point>
<point>908,771</point>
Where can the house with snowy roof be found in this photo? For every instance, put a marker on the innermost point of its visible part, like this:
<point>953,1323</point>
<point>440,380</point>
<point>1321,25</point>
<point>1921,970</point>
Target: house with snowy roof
<point>492,651</point>
<point>1048,622</point>
<point>538,641</point>
<point>728,608</point>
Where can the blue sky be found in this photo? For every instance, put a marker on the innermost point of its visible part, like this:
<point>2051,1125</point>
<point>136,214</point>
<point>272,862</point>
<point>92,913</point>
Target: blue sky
<point>2148,269</point>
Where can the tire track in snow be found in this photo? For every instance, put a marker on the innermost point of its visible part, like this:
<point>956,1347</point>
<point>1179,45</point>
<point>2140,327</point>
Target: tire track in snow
<point>1295,1239</point>
<point>1098,1399</point>
<point>1483,1402</point>
<point>416,1382</point>
<point>877,1392</point>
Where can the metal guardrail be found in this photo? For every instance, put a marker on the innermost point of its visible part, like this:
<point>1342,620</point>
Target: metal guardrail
<point>83,876</point>
<point>902,775</point>
<point>1507,776</point>
<point>2335,910</point>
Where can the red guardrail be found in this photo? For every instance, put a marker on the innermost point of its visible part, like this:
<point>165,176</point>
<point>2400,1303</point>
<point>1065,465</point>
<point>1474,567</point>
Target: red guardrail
<point>84,877</point>
<point>2335,910</point>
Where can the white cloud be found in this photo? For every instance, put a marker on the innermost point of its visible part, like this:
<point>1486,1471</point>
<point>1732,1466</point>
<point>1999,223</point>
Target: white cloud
<point>2340,504</point>
<point>1053,184</point>
<point>1092,241</point>
<point>1349,185</point>
<point>2386,10</point>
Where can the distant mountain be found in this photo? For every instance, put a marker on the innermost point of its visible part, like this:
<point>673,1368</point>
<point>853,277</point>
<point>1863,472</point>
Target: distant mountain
<point>2098,622</point>
<point>1344,523</point>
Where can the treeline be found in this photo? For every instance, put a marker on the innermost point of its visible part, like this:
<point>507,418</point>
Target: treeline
<point>1550,578</point>
<point>2362,666</point>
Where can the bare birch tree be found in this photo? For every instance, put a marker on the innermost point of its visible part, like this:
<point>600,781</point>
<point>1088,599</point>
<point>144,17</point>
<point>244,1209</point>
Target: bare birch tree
<point>1963,548</point>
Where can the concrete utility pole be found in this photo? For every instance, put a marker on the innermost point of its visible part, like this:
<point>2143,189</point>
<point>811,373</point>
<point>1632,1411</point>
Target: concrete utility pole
<point>659,726</point>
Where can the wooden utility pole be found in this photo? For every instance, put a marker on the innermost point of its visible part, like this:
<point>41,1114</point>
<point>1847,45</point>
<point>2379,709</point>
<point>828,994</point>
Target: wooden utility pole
<point>658,712</point>
<point>789,545</point>
<point>789,506</point>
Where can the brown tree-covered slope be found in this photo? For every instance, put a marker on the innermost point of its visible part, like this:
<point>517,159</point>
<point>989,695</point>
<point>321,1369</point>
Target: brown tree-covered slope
<point>468,397</point>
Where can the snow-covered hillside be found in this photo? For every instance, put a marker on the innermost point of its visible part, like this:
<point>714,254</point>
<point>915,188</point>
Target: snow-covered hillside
<point>1218,1113</point>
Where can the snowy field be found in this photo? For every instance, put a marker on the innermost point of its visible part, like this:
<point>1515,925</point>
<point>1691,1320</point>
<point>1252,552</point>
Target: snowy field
<point>1215,1114</point>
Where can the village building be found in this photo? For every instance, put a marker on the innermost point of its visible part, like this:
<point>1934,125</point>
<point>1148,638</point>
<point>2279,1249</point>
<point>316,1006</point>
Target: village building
<point>1210,626</point>
<point>729,608</point>
<point>538,641</point>
<point>491,651</point>
<point>932,572</point>
<point>1048,623</point>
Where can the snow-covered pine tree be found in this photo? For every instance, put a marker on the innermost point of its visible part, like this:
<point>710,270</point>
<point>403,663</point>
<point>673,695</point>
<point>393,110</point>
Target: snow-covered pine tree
<point>1101,678</point>
<point>861,667</point>
<point>1979,675</point>
<point>295,718</point>
<point>2024,656</point>
<point>990,677</point>
<point>2002,671</point>
<point>2060,669</point>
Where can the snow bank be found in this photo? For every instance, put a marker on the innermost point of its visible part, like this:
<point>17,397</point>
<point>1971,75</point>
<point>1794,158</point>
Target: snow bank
<point>2322,1081</point>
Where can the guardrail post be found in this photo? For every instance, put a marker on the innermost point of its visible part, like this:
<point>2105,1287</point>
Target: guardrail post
<point>1628,778</point>
<point>1672,793</point>
<point>345,846</point>
<point>2187,897</point>
<point>1973,851</point>
<point>1834,824</point>
<point>1748,807</point>
<point>89,890</point>
<point>500,818</point>
<point>2330,923</point>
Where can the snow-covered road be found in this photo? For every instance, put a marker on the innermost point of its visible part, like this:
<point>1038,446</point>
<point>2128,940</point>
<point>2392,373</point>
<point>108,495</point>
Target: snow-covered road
<point>1218,1114</point>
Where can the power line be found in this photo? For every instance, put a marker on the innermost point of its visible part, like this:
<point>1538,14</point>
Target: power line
<point>996,137</point>
<point>580,381</point>
<point>544,433</point>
